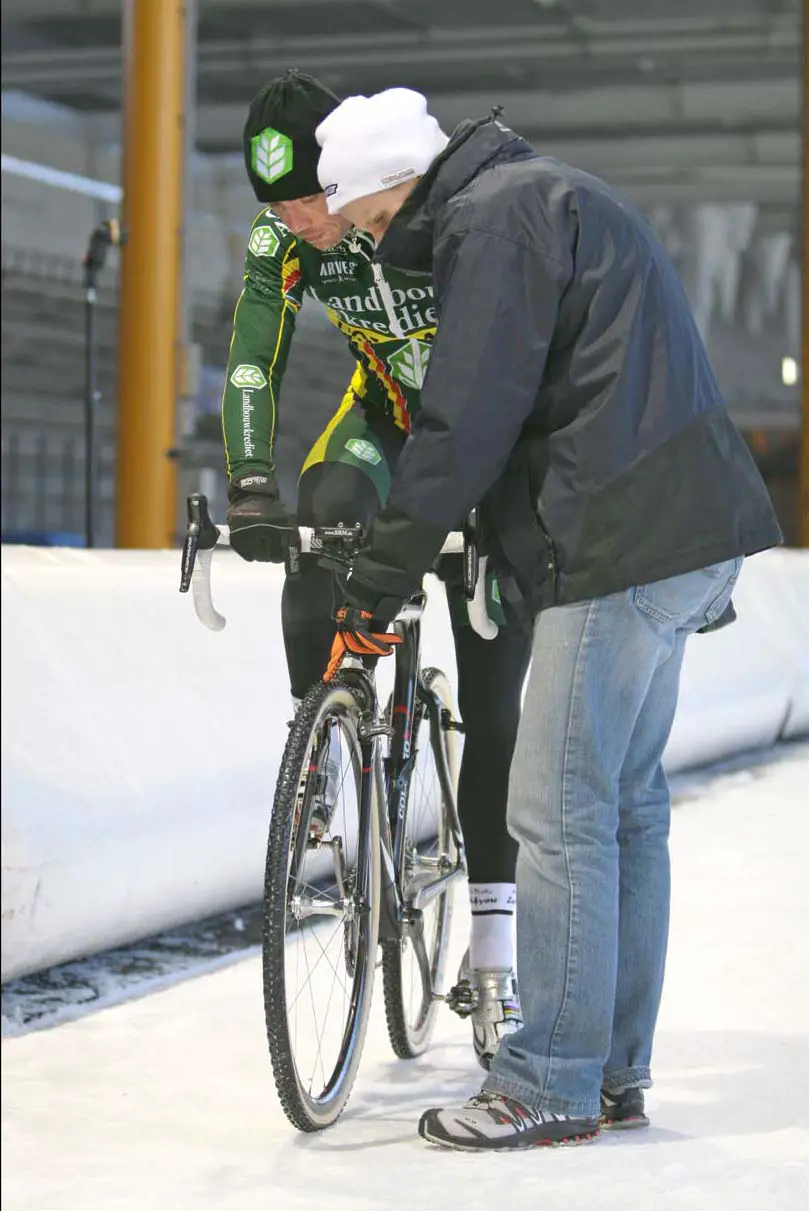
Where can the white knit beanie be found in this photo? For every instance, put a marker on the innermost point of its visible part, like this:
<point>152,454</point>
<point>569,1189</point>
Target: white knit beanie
<point>373,143</point>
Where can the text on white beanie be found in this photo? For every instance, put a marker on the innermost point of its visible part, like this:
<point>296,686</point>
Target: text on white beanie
<point>370,144</point>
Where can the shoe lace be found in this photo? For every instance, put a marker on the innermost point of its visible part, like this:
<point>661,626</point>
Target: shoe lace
<point>505,1110</point>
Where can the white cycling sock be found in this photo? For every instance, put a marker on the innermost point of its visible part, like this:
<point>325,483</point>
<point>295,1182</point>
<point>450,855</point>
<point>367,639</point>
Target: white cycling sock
<point>491,942</point>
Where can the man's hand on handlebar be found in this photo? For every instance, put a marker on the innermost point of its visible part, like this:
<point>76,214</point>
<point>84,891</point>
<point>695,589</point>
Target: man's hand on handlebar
<point>355,637</point>
<point>261,529</point>
<point>260,526</point>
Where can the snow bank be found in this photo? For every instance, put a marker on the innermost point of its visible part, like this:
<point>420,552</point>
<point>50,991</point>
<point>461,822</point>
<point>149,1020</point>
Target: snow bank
<point>139,750</point>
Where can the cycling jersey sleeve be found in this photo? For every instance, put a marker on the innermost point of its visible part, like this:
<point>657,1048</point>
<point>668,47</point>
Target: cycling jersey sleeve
<point>262,331</point>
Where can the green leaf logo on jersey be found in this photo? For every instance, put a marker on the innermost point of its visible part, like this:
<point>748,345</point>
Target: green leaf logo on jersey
<point>248,377</point>
<point>409,364</point>
<point>365,451</point>
<point>263,242</point>
<point>271,154</point>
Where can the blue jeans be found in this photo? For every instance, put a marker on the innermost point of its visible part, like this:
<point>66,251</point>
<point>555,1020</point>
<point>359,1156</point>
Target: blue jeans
<point>589,805</point>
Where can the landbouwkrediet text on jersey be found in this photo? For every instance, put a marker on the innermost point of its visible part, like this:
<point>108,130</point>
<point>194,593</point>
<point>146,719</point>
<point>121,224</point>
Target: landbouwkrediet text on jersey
<point>410,315</point>
<point>248,379</point>
<point>247,423</point>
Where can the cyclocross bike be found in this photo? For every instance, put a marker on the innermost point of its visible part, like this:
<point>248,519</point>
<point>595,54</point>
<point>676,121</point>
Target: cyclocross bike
<point>365,846</point>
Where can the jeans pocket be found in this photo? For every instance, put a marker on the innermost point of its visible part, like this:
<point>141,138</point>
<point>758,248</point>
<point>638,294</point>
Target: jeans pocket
<point>727,574</point>
<point>694,597</point>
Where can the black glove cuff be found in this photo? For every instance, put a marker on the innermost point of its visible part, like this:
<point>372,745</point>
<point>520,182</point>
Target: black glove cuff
<point>260,483</point>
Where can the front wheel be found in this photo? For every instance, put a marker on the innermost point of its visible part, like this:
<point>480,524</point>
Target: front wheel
<point>321,910</point>
<point>413,968</point>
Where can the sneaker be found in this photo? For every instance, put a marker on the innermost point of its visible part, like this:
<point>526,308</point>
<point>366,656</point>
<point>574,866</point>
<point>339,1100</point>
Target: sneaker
<point>490,999</point>
<point>623,1111</point>
<point>493,1122</point>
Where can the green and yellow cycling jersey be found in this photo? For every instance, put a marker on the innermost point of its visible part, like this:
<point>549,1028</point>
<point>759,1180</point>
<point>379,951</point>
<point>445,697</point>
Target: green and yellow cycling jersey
<point>388,319</point>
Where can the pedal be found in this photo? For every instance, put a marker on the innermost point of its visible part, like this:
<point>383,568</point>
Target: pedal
<point>462,999</point>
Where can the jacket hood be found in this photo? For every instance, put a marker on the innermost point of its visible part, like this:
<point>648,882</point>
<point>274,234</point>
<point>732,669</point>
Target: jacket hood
<point>473,146</point>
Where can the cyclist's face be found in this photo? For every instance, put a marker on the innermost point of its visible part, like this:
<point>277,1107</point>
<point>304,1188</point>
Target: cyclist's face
<point>375,212</point>
<point>309,219</point>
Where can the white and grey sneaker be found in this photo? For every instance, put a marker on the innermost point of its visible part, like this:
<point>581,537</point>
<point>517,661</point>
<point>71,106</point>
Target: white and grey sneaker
<point>493,1122</point>
<point>489,997</point>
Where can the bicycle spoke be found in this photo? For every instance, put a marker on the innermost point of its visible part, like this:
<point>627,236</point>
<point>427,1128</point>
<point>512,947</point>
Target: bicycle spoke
<point>310,930</point>
<point>320,1007</point>
<point>311,994</point>
<point>325,1019</point>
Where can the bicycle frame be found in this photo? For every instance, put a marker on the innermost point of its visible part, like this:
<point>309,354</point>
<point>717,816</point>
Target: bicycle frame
<point>386,782</point>
<point>385,785</point>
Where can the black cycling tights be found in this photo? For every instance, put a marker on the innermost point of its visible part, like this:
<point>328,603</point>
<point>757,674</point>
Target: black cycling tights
<point>490,672</point>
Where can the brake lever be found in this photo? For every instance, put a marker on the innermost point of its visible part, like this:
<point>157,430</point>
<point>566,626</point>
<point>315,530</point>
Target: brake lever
<point>201,535</point>
<point>471,554</point>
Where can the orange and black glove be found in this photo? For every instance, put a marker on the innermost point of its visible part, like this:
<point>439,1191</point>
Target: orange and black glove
<point>355,636</point>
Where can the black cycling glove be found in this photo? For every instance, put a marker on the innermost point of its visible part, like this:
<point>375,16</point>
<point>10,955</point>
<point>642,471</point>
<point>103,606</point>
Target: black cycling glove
<point>260,526</point>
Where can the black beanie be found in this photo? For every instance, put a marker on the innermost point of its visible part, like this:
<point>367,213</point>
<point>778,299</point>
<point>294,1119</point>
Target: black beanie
<point>280,148</point>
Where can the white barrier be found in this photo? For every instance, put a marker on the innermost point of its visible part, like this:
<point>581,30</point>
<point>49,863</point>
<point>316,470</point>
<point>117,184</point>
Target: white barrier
<point>140,750</point>
<point>747,685</point>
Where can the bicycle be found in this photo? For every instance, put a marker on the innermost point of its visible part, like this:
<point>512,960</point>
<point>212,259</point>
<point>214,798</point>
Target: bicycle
<point>365,845</point>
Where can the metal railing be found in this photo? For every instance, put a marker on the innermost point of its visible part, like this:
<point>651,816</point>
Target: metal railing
<point>43,486</point>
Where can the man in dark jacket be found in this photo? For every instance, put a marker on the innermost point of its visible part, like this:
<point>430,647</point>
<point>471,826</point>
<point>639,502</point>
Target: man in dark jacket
<point>569,391</point>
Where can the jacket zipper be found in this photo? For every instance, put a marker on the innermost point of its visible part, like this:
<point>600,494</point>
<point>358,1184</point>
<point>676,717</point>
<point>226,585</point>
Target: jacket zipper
<point>551,563</point>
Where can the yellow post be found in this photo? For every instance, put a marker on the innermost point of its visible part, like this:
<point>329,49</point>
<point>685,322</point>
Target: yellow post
<point>803,520</point>
<point>153,169</point>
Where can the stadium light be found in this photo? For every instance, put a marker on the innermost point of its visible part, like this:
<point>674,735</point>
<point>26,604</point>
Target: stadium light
<point>789,371</point>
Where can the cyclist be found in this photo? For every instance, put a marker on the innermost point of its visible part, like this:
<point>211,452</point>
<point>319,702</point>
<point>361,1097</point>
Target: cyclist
<point>295,248</point>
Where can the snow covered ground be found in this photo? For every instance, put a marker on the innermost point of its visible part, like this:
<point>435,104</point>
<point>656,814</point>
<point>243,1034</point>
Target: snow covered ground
<point>167,1102</point>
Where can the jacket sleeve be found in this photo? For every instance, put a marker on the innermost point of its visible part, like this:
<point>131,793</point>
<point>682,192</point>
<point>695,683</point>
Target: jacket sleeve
<point>498,303</point>
<point>263,324</point>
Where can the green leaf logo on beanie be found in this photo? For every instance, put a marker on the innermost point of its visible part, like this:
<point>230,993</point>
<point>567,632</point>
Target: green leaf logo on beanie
<point>271,154</point>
